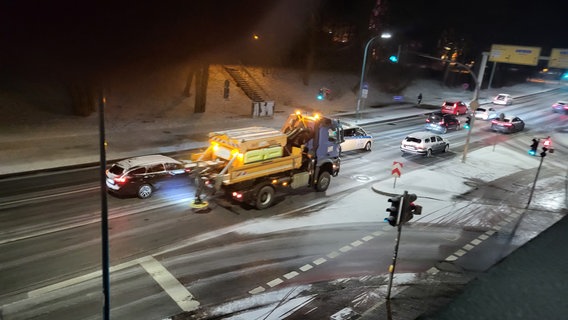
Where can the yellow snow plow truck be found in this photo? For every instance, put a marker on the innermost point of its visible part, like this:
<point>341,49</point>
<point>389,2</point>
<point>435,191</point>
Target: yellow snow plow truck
<point>249,164</point>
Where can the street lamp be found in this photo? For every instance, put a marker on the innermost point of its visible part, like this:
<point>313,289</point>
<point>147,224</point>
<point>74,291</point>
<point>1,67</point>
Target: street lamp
<point>384,35</point>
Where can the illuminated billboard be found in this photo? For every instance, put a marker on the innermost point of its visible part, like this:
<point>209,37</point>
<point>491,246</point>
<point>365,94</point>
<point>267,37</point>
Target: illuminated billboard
<point>558,59</point>
<point>514,54</point>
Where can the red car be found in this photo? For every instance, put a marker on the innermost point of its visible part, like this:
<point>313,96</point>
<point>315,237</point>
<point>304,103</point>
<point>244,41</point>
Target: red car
<point>454,107</point>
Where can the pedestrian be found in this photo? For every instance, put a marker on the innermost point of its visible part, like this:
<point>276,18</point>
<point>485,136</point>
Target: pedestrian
<point>420,98</point>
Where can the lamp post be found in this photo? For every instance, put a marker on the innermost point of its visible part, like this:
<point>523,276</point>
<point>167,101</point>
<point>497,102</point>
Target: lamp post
<point>384,35</point>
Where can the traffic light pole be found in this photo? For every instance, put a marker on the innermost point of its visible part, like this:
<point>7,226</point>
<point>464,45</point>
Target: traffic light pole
<point>397,242</point>
<point>543,154</point>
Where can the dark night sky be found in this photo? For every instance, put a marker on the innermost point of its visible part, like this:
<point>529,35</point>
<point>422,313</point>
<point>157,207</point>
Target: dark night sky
<point>47,34</point>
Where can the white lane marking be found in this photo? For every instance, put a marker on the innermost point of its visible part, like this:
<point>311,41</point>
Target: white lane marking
<point>497,228</point>
<point>433,270</point>
<point>368,238</point>
<point>319,261</point>
<point>345,249</point>
<point>460,253</point>
<point>77,280</point>
<point>177,291</point>
<point>7,203</point>
<point>274,282</point>
<point>451,258</point>
<point>468,247</point>
<point>257,290</point>
<point>356,243</point>
<point>475,242</point>
<point>113,214</point>
<point>489,232</point>
<point>333,254</point>
<point>291,275</point>
<point>306,267</point>
<point>483,237</point>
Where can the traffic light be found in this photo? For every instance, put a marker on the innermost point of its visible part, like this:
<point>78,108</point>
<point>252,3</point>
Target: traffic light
<point>320,94</point>
<point>393,210</point>
<point>409,208</point>
<point>393,59</point>
<point>467,123</point>
<point>534,146</point>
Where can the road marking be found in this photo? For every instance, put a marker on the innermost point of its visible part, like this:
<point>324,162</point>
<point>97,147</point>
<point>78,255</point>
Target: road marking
<point>333,254</point>
<point>319,261</point>
<point>79,279</point>
<point>274,282</point>
<point>451,258</point>
<point>257,290</point>
<point>356,243</point>
<point>345,249</point>
<point>368,238</point>
<point>177,291</point>
<point>468,247</point>
<point>433,270</point>
<point>475,242</point>
<point>483,237</point>
<point>291,275</point>
<point>306,267</point>
<point>460,253</point>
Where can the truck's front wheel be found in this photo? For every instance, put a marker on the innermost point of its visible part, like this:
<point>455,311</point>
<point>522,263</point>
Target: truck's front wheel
<point>264,197</point>
<point>323,182</point>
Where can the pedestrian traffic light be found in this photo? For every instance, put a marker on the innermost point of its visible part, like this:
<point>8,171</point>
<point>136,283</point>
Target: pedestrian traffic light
<point>409,208</point>
<point>547,143</point>
<point>467,123</point>
<point>320,94</point>
<point>393,210</point>
<point>534,146</point>
<point>393,59</point>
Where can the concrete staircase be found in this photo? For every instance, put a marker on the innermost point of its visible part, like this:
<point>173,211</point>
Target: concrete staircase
<point>246,81</point>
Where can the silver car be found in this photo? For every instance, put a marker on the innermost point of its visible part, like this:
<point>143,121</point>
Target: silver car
<point>486,113</point>
<point>424,143</point>
<point>356,138</point>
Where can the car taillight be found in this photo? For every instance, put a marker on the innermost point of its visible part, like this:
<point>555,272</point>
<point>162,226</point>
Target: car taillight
<point>121,180</point>
<point>441,122</point>
<point>508,124</point>
<point>494,121</point>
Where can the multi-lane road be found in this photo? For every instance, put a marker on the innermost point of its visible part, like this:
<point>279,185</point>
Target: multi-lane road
<point>167,259</point>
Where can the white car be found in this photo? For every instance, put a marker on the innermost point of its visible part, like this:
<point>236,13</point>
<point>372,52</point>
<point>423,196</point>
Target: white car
<point>486,113</point>
<point>424,143</point>
<point>503,99</point>
<point>356,138</point>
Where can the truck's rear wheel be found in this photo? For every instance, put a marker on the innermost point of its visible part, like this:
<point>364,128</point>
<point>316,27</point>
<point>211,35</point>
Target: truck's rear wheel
<point>323,182</point>
<point>264,197</point>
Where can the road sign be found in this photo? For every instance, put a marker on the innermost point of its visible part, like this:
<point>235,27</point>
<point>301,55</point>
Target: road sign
<point>474,105</point>
<point>364,93</point>
<point>558,59</point>
<point>396,169</point>
<point>514,54</point>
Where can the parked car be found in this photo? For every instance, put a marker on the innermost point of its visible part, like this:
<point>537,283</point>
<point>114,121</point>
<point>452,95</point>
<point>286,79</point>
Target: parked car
<point>486,113</point>
<point>424,143</point>
<point>503,99</point>
<point>141,176</point>
<point>507,124</point>
<point>442,122</point>
<point>454,107</point>
<point>560,106</point>
<point>356,138</point>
